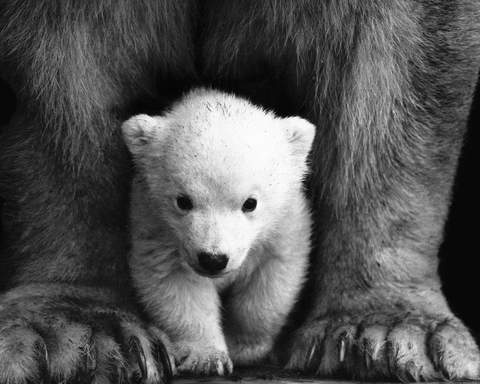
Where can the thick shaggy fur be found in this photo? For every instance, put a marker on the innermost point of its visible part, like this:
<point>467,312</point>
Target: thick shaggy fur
<point>218,151</point>
<point>388,83</point>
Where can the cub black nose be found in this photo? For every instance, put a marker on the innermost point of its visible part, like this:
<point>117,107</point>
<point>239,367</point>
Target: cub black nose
<point>212,263</point>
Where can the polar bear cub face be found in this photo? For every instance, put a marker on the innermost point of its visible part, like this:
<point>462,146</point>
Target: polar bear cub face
<point>221,174</point>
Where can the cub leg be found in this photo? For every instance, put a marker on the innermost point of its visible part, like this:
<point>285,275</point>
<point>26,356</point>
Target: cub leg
<point>259,303</point>
<point>187,307</point>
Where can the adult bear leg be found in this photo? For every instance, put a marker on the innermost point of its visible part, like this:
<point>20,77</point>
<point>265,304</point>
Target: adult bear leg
<point>64,175</point>
<point>389,87</point>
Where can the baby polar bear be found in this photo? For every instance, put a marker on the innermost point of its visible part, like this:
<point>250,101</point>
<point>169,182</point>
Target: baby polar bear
<point>217,210</point>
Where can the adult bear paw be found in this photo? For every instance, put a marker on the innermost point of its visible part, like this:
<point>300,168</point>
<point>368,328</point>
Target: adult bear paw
<point>55,333</point>
<point>408,347</point>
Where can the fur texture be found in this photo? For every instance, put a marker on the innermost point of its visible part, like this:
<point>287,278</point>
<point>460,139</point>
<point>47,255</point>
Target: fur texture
<point>218,151</point>
<point>388,84</point>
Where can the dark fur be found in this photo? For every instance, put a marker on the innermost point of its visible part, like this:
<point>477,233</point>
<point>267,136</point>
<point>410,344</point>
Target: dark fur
<point>388,84</point>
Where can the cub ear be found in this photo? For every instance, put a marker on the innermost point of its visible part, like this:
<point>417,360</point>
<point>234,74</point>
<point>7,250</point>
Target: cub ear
<point>300,134</point>
<point>141,130</point>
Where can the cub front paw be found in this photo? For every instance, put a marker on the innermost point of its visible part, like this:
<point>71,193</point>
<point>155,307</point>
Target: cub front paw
<point>404,347</point>
<point>200,360</point>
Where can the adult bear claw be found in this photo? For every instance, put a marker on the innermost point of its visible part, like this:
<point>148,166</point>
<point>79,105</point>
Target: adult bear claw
<point>163,360</point>
<point>76,337</point>
<point>378,347</point>
<point>137,350</point>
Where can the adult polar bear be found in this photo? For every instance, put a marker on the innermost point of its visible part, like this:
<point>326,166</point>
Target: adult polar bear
<point>388,84</point>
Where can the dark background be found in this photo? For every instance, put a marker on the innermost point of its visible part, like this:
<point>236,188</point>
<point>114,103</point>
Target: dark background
<point>459,253</point>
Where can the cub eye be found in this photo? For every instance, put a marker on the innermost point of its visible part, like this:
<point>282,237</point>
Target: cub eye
<point>249,205</point>
<point>184,203</point>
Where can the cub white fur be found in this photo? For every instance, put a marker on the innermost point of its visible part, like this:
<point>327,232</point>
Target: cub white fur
<point>217,203</point>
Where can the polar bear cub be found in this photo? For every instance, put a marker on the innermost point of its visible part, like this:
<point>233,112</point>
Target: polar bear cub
<point>220,225</point>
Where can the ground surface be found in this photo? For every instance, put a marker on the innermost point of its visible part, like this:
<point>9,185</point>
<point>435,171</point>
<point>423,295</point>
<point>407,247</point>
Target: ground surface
<point>265,375</point>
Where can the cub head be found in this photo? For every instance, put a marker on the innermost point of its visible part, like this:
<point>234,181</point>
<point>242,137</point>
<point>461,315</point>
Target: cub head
<point>221,173</point>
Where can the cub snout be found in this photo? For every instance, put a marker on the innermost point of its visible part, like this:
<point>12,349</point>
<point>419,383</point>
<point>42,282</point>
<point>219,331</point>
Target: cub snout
<point>212,263</point>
